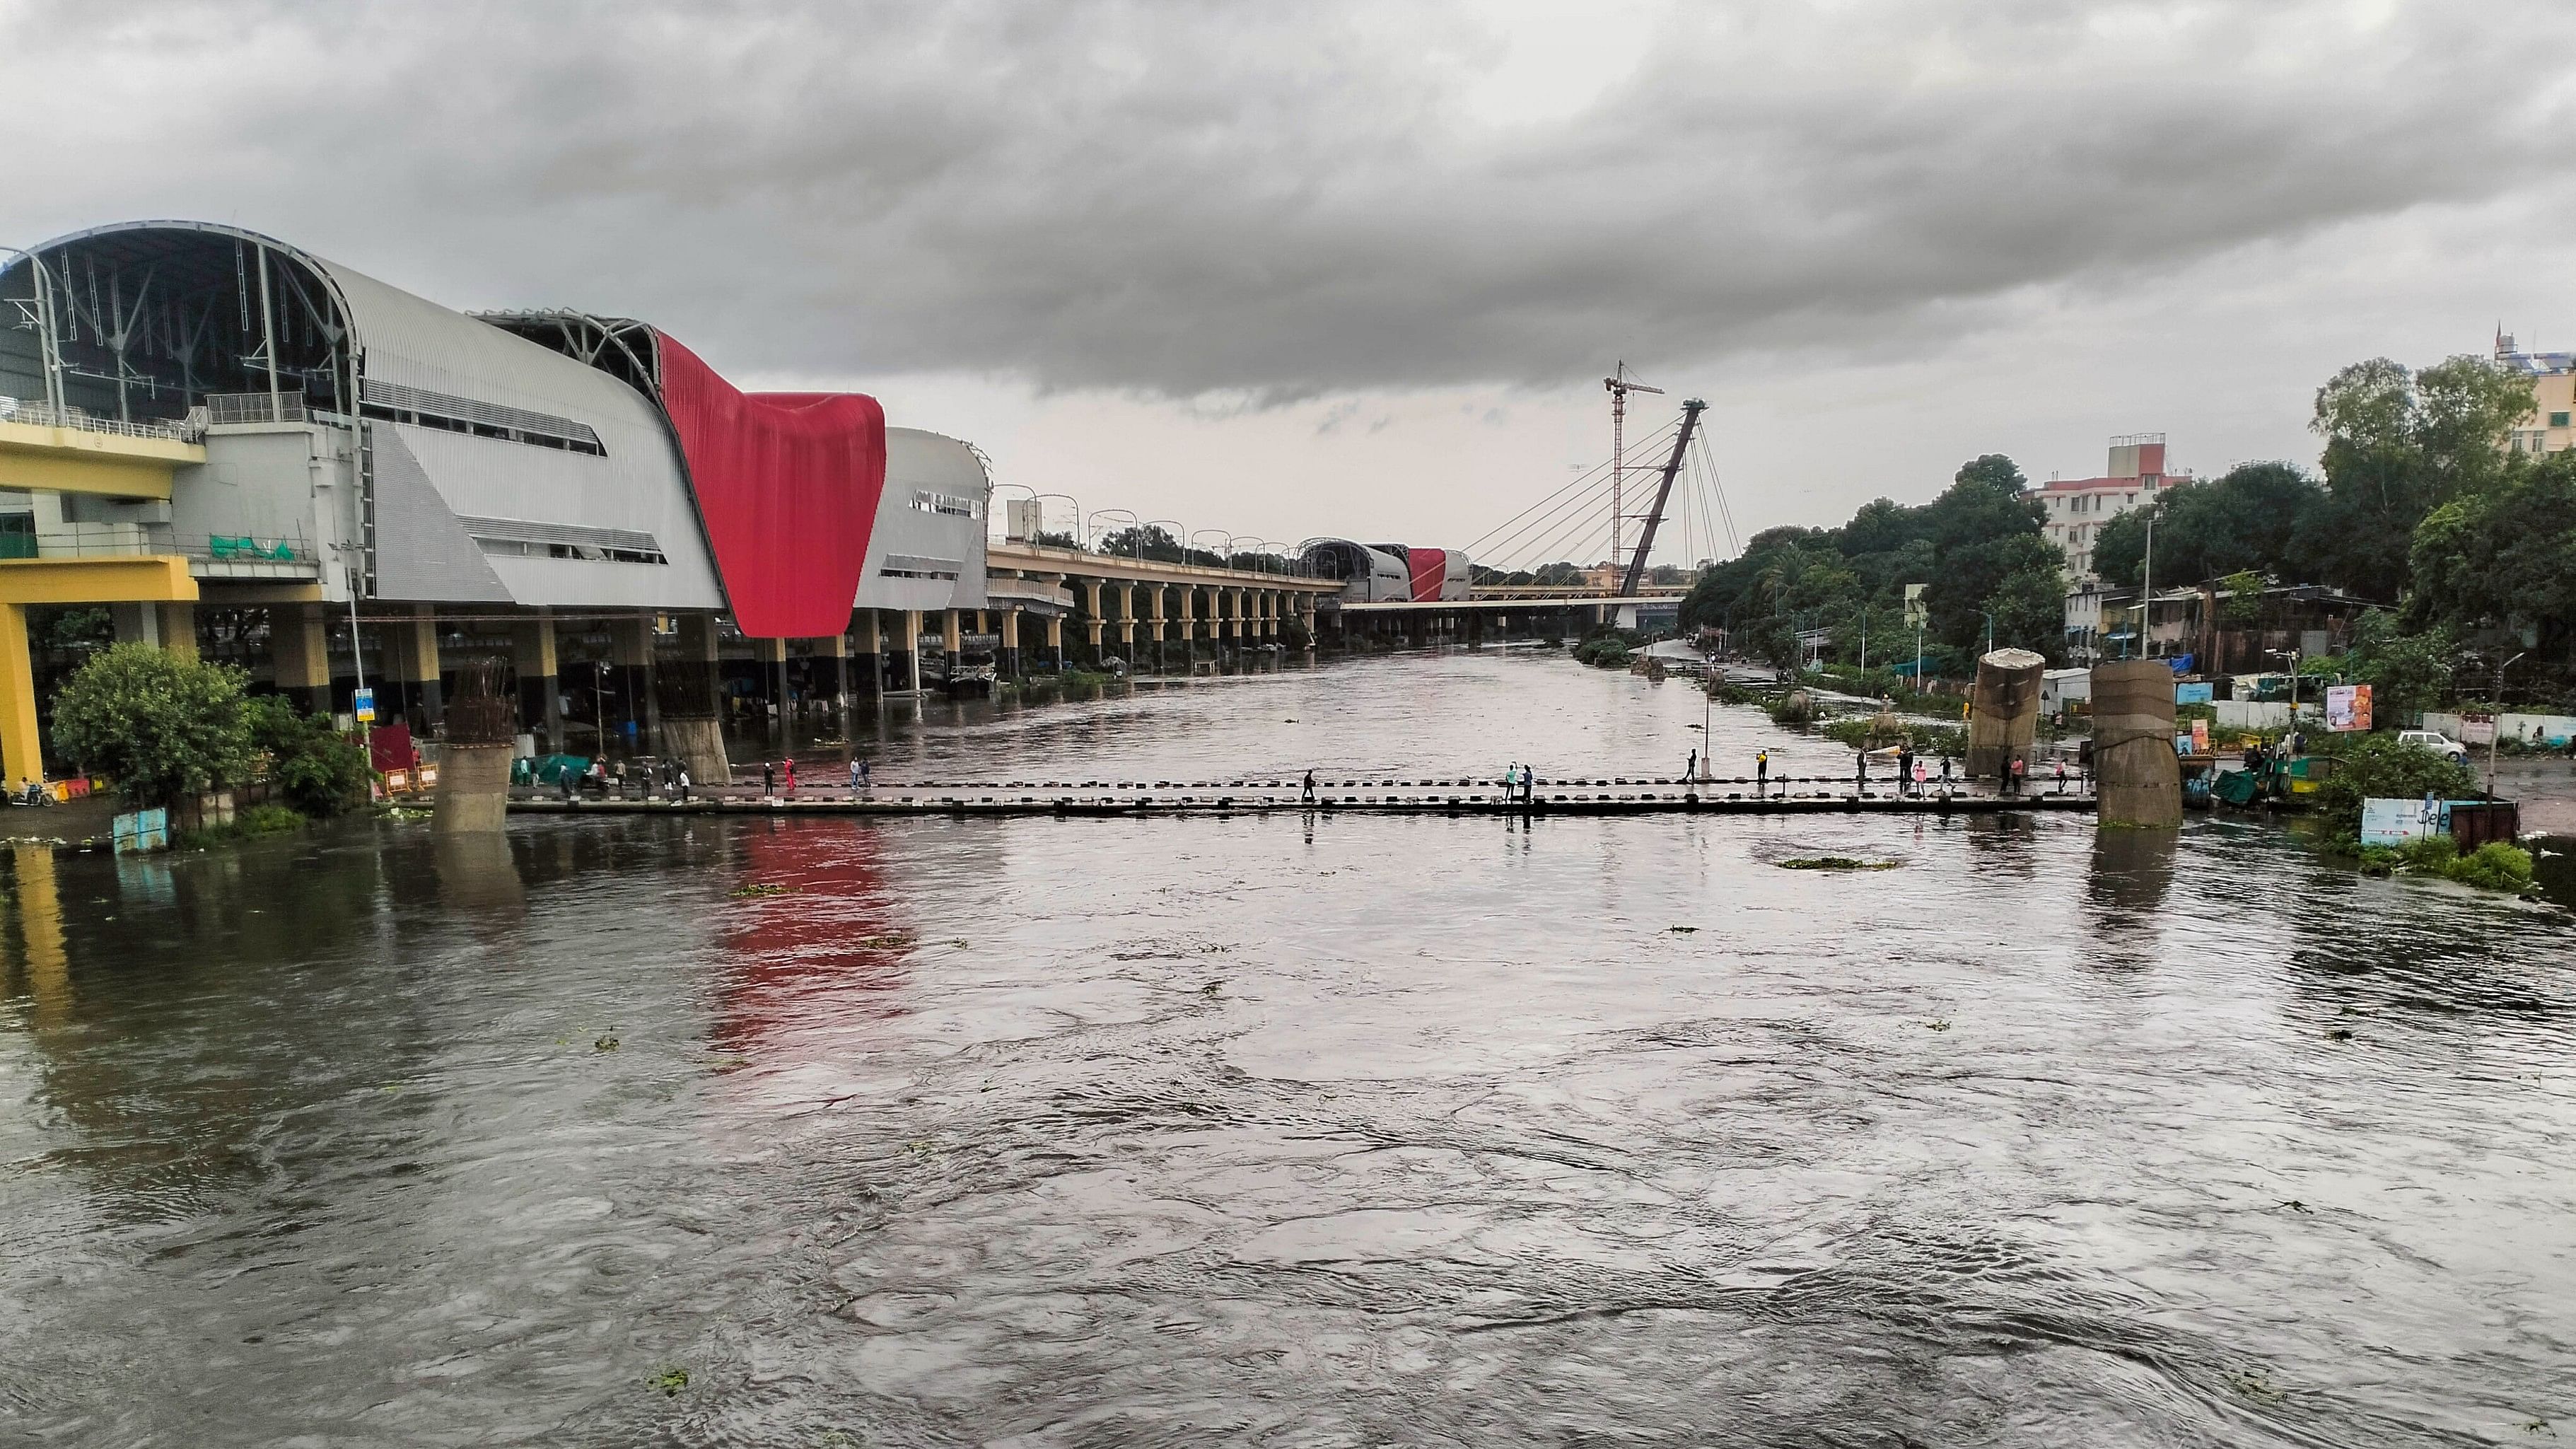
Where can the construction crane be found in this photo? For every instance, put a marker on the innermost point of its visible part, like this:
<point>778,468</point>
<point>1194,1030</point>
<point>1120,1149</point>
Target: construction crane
<point>1691,409</point>
<point>1619,387</point>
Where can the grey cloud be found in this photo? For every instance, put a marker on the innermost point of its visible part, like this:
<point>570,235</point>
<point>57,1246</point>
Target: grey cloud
<point>1277,202</point>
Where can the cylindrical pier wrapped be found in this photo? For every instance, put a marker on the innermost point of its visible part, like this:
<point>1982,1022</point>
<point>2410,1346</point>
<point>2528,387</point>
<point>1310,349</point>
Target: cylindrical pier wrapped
<point>474,767</point>
<point>2003,713</point>
<point>2137,777</point>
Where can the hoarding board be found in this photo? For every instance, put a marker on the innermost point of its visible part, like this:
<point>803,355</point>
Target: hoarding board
<point>2347,707</point>
<point>2477,729</point>
<point>2200,737</point>
<point>2394,822</point>
<point>362,703</point>
<point>2193,693</point>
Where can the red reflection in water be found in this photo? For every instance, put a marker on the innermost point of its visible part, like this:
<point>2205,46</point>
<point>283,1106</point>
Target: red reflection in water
<point>825,953</point>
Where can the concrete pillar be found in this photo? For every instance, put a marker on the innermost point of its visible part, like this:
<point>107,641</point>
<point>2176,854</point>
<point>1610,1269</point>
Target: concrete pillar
<point>1154,622</point>
<point>692,731</point>
<point>912,649</point>
<point>630,643</point>
<point>1010,660</point>
<point>870,651</point>
<point>1189,625</point>
<point>532,646</point>
<point>299,649</point>
<point>1055,638</point>
<point>2137,777</point>
<point>136,623</point>
<point>951,641</point>
<point>415,651</point>
<point>772,654</point>
<point>836,648</point>
<point>21,748</point>
<point>179,631</point>
<point>1128,608</point>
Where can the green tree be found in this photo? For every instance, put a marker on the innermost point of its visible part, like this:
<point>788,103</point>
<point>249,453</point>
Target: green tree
<point>318,771</point>
<point>1983,530</point>
<point>2504,558</point>
<point>163,728</point>
<point>2256,516</point>
<point>2407,673</point>
<point>2381,767</point>
<point>2244,604</point>
<point>2029,609</point>
<point>2397,447</point>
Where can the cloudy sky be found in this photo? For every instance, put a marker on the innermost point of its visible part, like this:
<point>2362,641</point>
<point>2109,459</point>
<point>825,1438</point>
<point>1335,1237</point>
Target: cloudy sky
<point>1358,268</point>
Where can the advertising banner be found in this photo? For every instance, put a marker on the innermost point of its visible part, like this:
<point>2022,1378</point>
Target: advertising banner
<point>2193,693</point>
<point>2347,707</point>
<point>2477,729</point>
<point>2394,822</point>
<point>2200,737</point>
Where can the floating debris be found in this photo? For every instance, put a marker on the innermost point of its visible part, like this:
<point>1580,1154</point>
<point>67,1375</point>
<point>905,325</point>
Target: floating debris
<point>1936,1026</point>
<point>670,1381</point>
<point>2338,1034</point>
<point>1835,862</point>
<point>1681,930</point>
<point>889,941</point>
<point>2256,1385</point>
<point>2296,1206</point>
<point>604,1044</point>
<point>749,892</point>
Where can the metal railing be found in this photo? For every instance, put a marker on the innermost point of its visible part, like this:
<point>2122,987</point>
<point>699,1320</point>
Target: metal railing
<point>225,408</point>
<point>45,415</point>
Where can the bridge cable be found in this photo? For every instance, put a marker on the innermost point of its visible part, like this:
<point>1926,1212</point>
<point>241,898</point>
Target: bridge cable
<point>1595,477</point>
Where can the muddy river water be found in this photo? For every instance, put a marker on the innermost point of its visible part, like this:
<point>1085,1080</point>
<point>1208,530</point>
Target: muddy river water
<point>1351,1130</point>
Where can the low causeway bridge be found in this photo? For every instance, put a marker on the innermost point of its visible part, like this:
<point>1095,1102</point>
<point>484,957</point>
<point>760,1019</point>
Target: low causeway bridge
<point>1341,794</point>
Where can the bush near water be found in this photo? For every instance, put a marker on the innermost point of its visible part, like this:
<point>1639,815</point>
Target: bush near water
<point>166,729</point>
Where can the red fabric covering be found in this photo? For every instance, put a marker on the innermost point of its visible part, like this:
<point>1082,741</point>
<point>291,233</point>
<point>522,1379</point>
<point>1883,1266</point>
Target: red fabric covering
<point>1430,572</point>
<point>788,484</point>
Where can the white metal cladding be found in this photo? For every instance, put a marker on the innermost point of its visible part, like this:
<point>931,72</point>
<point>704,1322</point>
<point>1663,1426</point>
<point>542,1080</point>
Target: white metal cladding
<point>927,549</point>
<point>412,348</point>
<point>1368,575</point>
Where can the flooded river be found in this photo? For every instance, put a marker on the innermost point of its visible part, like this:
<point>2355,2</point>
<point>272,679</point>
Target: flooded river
<point>1359,1130</point>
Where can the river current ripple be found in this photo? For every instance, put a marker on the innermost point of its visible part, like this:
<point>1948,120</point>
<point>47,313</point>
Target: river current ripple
<point>1354,1130</point>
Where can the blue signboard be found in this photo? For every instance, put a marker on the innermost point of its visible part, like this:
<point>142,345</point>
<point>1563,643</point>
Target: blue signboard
<point>2192,693</point>
<point>363,705</point>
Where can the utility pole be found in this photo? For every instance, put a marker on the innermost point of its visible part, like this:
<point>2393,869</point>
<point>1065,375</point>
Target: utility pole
<point>2147,586</point>
<point>1619,387</point>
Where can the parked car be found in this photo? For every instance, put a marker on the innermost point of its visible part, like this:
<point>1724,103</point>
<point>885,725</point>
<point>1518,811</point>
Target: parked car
<point>2438,742</point>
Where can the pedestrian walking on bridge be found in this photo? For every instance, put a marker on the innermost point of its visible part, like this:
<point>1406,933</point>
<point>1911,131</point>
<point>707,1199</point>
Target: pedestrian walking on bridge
<point>1904,765</point>
<point>1761,772</point>
<point>1307,794</point>
<point>1860,772</point>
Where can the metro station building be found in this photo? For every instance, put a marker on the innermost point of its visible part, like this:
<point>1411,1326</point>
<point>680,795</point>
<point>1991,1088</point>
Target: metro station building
<point>238,448</point>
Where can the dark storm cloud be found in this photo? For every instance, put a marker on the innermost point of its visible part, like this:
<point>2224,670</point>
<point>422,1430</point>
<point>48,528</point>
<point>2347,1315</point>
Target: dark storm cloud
<point>1275,201</point>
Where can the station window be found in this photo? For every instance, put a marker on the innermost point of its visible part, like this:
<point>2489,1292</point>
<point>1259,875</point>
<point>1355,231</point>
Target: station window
<point>2558,420</point>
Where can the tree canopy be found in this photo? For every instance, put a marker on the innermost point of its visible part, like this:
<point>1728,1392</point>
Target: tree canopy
<point>2397,447</point>
<point>163,728</point>
<point>1978,548</point>
<point>2256,517</point>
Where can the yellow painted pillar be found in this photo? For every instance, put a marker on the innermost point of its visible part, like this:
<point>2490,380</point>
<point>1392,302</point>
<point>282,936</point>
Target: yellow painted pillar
<point>912,647</point>
<point>179,631</point>
<point>299,646</point>
<point>40,921</point>
<point>21,751</point>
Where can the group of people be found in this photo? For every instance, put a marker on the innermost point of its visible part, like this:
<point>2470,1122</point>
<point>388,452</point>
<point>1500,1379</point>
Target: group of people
<point>1519,781</point>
